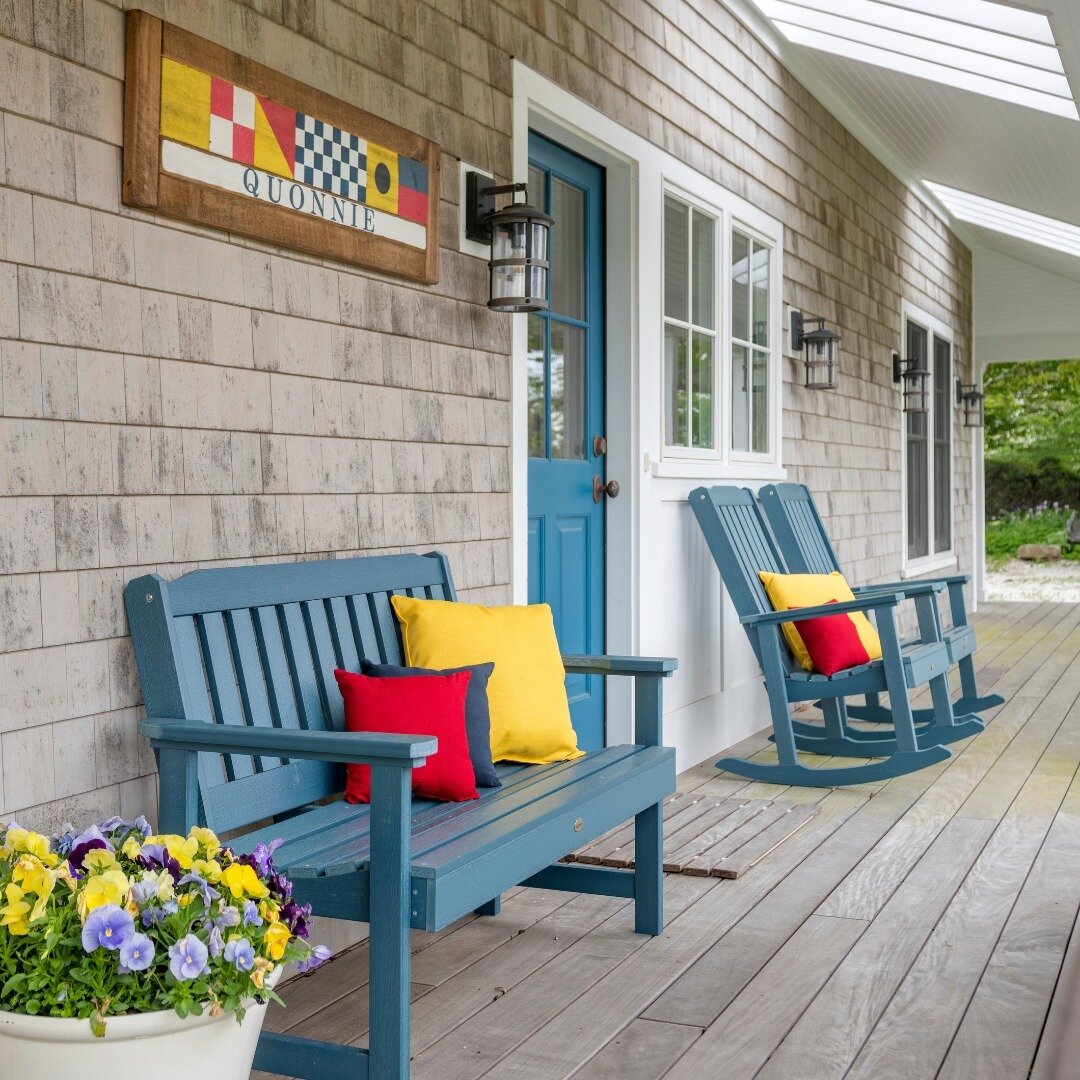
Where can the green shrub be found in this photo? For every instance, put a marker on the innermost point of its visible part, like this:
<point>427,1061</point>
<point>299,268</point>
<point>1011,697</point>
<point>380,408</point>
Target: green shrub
<point>1045,523</point>
<point>1016,483</point>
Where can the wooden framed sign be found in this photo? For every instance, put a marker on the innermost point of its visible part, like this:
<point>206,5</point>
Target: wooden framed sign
<point>212,137</point>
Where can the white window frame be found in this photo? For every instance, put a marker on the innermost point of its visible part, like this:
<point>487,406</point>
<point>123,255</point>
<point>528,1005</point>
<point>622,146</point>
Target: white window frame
<point>730,213</point>
<point>933,560</point>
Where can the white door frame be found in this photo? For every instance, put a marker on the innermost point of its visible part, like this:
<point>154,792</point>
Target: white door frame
<point>541,105</point>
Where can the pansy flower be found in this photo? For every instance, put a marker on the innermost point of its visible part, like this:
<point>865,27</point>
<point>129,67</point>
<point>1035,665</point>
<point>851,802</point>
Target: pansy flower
<point>107,927</point>
<point>187,958</point>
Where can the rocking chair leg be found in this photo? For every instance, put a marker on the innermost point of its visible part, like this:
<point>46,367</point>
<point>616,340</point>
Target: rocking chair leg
<point>492,907</point>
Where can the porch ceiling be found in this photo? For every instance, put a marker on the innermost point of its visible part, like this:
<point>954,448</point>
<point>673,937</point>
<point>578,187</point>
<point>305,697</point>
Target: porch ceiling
<point>926,130</point>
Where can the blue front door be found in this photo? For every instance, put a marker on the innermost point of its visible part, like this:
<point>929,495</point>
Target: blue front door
<point>566,421</point>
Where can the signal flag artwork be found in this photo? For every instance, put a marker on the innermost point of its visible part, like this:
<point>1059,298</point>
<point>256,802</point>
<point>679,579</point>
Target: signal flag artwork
<point>213,137</point>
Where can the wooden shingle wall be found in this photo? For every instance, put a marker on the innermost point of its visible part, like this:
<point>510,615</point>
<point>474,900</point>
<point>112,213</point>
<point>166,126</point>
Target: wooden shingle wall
<point>171,396</point>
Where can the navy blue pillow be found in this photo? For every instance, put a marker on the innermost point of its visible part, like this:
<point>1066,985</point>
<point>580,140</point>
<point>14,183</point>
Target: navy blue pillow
<point>477,716</point>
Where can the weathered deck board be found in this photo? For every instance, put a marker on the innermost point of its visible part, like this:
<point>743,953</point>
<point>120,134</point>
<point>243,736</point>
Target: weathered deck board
<point>914,928</point>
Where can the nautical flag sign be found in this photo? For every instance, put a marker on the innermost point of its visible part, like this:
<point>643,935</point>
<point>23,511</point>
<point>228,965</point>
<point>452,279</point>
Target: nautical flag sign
<point>213,137</point>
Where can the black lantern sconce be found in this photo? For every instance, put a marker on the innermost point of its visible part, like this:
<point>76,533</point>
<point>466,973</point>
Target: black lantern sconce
<point>518,235</point>
<point>820,352</point>
<point>971,397</point>
<point>916,382</point>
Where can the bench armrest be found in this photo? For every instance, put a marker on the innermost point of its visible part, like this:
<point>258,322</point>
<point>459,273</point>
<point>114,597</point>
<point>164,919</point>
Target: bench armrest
<point>648,689</point>
<point>347,747</point>
<point>663,666</point>
<point>863,603</point>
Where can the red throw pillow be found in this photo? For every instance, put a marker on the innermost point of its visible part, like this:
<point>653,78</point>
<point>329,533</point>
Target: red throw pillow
<point>415,705</point>
<point>832,641</point>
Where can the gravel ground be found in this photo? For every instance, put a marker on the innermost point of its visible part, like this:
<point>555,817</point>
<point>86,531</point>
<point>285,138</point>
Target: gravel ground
<point>1018,580</point>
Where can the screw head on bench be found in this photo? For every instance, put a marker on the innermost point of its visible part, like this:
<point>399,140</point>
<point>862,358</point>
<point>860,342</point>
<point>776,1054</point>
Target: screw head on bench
<point>579,825</point>
<point>149,597</point>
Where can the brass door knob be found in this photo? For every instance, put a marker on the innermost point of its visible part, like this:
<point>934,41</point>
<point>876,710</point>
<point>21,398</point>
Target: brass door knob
<point>600,489</point>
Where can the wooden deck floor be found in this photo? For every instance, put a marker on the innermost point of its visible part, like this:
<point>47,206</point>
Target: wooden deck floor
<point>913,929</point>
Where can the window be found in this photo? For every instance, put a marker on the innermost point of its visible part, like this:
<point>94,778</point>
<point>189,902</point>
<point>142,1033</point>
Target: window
<point>928,447</point>
<point>749,345</point>
<point>689,325</point>
<point>718,340</point>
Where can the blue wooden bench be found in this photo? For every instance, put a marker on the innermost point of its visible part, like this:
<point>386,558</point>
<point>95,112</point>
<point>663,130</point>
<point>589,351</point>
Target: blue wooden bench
<point>243,711</point>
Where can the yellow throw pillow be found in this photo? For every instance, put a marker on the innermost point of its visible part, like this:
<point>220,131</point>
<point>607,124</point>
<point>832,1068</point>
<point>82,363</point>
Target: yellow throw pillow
<point>808,590</point>
<point>530,715</point>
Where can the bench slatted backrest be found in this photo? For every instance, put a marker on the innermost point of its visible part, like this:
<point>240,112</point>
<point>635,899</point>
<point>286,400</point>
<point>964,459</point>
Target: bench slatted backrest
<point>797,525</point>
<point>741,545</point>
<point>257,646</point>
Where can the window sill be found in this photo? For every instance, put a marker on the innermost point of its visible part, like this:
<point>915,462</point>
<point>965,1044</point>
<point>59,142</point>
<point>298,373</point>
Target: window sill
<point>716,470</point>
<point>928,565</point>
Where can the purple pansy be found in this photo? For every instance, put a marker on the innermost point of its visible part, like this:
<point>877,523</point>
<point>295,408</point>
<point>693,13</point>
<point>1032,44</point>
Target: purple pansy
<point>207,891</point>
<point>296,916</point>
<point>261,857</point>
<point>157,857</point>
<point>154,914</point>
<point>107,927</point>
<point>136,954</point>
<point>319,955</point>
<point>215,942</point>
<point>84,843</point>
<point>187,958</point>
<point>240,954</point>
<point>251,914</point>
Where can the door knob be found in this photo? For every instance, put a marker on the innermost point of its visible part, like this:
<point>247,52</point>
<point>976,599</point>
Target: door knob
<point>600,489</point>
<point>599,446</point>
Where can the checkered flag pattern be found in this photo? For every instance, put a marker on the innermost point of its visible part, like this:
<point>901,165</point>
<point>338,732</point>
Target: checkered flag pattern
<point>329,158</point>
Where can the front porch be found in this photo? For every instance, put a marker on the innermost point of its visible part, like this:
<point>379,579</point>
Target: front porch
<point>915,928</point>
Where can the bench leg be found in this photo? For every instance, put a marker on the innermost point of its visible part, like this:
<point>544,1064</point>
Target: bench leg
<point>492,907</point>
<point>388,952</point>
<point>649,871</point>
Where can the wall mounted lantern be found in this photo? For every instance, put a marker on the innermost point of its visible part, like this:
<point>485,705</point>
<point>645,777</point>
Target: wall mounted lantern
<point>518,235</point>
<point>820,352</point>
<point>916,382</point>
<point>971,397</point>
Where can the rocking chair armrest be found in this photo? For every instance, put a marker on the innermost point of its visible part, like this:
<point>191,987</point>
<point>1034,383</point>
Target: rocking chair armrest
<point>664,666</point>
<point>908,588</point>
<point>347,747</point>
<point>846,607</point>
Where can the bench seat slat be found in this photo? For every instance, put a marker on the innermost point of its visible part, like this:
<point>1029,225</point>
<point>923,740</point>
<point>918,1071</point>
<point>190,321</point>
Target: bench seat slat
<point>343,843</point>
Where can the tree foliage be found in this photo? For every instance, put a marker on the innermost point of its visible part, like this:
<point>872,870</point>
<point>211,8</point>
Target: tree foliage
<point>1032,435</point>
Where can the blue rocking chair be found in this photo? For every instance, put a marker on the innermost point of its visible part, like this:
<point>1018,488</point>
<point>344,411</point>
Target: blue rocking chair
<point>741,545</point>
<point>800,532</point>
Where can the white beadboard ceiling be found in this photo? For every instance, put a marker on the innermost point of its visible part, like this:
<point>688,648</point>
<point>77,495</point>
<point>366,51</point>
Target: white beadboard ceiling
<point>925,130</point>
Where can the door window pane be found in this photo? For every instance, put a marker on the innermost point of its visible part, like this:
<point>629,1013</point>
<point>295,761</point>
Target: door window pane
<point>704,291</point>
<point>567,250</point>
<point>567,391</point>
<point>740,286</point>
<point>676,258</point>
<point>534,369</point>
<point>761,294</point>
<point>740,397</point>
<point>676,426</point>
<point>703,391</point>
<point>760,404</point>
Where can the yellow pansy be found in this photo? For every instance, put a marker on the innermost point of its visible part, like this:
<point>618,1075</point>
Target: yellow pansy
<point>131,848</point>
<point>208,869</point>
<point>241,880</point>
<point>99,860</point>
<point>260,969</point>
<point>31,842</point>
<point>34,878</point>
<point>14,913</point>
<point>207,839</point>
<point>275,938</point>
<point>163,883</point>
<point>269,911</point>
<point>108,888</point>
<point>183,851</point>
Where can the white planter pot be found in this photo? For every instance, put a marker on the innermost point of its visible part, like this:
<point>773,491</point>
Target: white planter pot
<point>158,1045</point>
